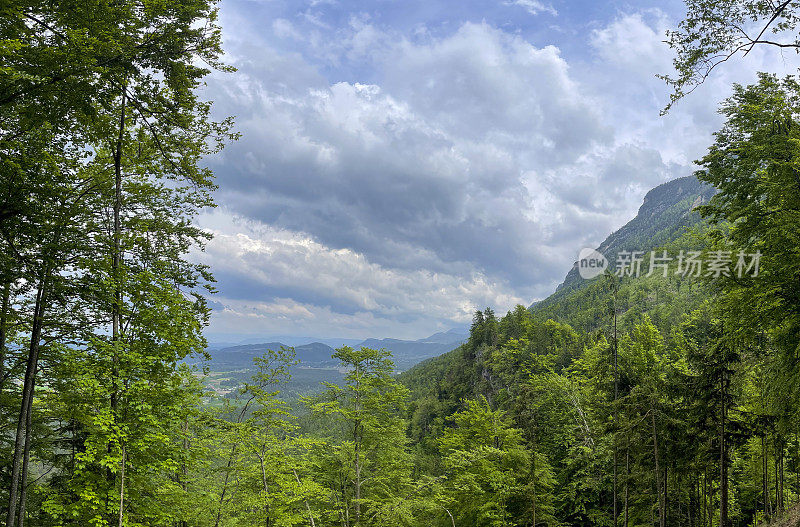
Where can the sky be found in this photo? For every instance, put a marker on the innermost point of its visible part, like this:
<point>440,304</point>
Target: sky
<point>404,163</point>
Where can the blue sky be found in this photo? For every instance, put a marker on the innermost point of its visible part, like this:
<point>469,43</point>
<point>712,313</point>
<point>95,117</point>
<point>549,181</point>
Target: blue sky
<point>404,163</point>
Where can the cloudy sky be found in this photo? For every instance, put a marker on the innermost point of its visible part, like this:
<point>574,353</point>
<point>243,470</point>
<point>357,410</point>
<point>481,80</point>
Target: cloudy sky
<point>403,163</point>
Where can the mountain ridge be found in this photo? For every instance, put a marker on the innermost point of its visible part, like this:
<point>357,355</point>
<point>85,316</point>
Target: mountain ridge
<point>667,212</point>
<point>406,353</point>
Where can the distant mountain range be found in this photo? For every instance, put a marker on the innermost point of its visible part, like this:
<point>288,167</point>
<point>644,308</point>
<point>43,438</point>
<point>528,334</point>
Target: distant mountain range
<point>406,353</point>
<point>217,342</point>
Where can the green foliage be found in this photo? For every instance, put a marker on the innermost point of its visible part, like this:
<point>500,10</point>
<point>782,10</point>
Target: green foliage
<point>485,465</point>
<point>101,177</point>
<point>373,466</point>
<point>714,31</point>
<point>754,163</point>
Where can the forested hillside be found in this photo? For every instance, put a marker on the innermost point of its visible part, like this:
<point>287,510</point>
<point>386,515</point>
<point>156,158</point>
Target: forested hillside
<point>667,220</point>
<point>669,399</point>
<point>548,371</point>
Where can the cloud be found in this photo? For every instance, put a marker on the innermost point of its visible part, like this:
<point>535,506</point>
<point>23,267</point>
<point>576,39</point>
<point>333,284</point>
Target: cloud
<point>283,28</point>
<point>483,84</point>
<point>634,41</point>
<point>534,7</point>
<point>426,170</point>
<point>391,180</point>
<point>628,54</point>
<point>280,275</point>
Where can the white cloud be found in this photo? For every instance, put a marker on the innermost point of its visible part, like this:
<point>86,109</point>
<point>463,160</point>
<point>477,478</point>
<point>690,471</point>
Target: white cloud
<point>275,261</point>
<point>635,42</point>
<point>534,7</point>
<point>629,52</point>
<point>285,29</point>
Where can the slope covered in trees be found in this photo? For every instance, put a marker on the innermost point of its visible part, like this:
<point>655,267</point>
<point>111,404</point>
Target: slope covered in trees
<point>549,370</point>
<point>668,400</point>
<point>667,220</point>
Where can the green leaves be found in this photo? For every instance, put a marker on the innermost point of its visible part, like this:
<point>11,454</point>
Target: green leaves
<point>374,466</point>
<point>484,464</point>
<point>755,163</point>
<point>715,31</point>
<point>100,180</point>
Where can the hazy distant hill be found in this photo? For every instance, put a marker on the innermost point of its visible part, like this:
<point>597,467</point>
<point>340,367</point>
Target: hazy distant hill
<point>448,337</point>
<point>217,341</point>
<point>409,352</point>
<point>318,355</point>
<point>241,357</point>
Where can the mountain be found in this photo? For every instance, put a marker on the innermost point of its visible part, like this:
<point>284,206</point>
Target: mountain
<point>409,352</point>
<point>664,221</point>
<point>666,212</point>
<point>448,337</point>
<point>219,341</point>
<point>240,357</point>
<point>318,355</point>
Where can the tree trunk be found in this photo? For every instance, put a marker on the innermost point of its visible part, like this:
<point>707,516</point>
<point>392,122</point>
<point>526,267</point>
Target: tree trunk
<point>703,493</point>
<point>797,462</point>
<point>452,520</point>
<point>627,480</point>
<point>184,474</point>
<point>765,477</point>
<point>266,488</point>
<point>782,503</point>
<point>533,483</point>
<point>666,503</point>
<point>777,485</point>
<point>346,503</point>
<point>18,462</point>
<point>26,456</point>
<point>723,458</point>
<point>358,480</point>
<point>614,420</point>
<point>357,436</point>
<point>122,489</point>
<point>3,333</point>
<point>657,471</point>
<point>308,509</point>
<point>225,485</point>
<point>116,258</point>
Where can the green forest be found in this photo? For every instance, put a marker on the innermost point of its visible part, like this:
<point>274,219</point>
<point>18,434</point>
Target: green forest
<point>658,399</point>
